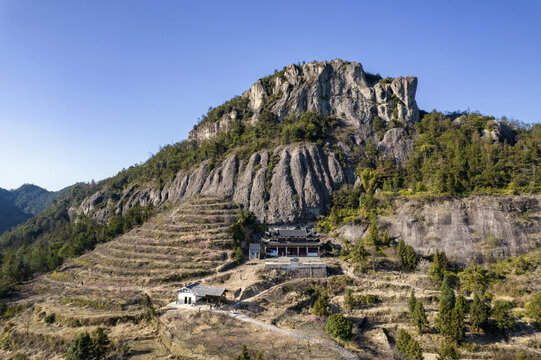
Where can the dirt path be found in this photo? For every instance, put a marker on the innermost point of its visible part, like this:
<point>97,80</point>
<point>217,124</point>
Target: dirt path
<point>238,316</point>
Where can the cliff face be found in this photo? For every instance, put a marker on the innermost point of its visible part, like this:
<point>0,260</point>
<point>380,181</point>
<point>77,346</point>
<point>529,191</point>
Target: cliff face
<point>336,88</point>
<point>479,228</point>
<point>293,183</point>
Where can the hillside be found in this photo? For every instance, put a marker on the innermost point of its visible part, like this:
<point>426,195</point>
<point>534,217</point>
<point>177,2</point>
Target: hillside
<point>18,205</point>
<point>388,186</point>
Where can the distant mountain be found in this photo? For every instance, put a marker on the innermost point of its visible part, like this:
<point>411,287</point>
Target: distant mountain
<point>17,206</point>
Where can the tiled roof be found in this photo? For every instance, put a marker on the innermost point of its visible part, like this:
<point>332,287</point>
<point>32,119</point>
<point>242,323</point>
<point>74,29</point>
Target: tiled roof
<point>201,290</point>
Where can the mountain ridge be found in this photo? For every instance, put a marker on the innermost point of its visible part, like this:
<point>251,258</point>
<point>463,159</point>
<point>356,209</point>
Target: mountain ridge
<point>18,205</point>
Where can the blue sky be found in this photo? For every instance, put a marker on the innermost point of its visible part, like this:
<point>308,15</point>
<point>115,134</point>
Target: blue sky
<point>90,87</point>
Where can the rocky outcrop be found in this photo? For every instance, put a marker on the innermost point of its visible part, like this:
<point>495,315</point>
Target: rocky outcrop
<point>292,184</point>
<point>480,228</point>
<point>337,87</point>
<point>396,145</point>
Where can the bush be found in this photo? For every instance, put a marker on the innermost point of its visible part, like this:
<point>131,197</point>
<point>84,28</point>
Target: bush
<point>49,319</point>
<point>85,347</point>
<point>20,356</point>
<point>321,306</point>
<point>243,354</point>
<point>534,309</point>
<point>339,326</point>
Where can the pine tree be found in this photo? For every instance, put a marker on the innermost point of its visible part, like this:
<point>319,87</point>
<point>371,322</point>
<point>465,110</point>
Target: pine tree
<point>438,268</point>
<point>81,348</point>
<point>259,356</point>
<point>400,249</point>
<point>446,307</point>
<point>479,313</point>
<point>502,317</point>
<point>419,317</point>
<point>243,354</point>
<point>411,302</point>
<point>462,306</point>
<point>409,260</point>
<point>456,329</point>
<point>339,326</point>
<point>349,301</point>
<point>448,351</point>
<point>408,346</point>
<point>100,344</point>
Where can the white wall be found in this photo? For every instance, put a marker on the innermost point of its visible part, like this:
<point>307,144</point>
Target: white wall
<point>186,298</point>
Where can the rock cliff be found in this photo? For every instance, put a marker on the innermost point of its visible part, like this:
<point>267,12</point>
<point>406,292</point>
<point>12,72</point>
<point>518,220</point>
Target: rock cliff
<point>479,228</point>
<point>292,183</point>
<point>337,87</point>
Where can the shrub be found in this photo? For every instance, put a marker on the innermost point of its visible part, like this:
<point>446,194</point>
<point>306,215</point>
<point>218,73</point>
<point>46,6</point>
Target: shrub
<point>49,319</point>
<point>534,309</point>
<point>321,306</point>
<point>85,347</point>
<point>20,356</point>
<point>243,354</point>
<point>339,326</point>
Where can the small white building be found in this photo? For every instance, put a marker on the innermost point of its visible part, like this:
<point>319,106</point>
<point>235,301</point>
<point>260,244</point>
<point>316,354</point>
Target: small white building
<point>196,293</point>
<point>254,251</point>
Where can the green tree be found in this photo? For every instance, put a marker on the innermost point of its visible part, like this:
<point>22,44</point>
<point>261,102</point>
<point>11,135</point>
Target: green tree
<point>369,180</point>
<point>243,354</point>
<point>502,317</point>
<point>408,346</point>
<point>534,309</point>
<point>349,300</point>
<point>479,313</point>
<point>81,348</point>
<point>446,307</point>
<point>419,317</point>
<point>321,306</point>
<point>339,326</point>
<point>409,258</point>
<point>412,301</point>
<point>461,306</point>
<point>239,255</point>
<point>100,344</point>
<point>400,249</point>
<point>20,356</point>
<point>456,329</point>
<point>438,268</point>
<point>473,279</point>
<point>259,356</point>
<point>150,310</point>
<point>448,351</point>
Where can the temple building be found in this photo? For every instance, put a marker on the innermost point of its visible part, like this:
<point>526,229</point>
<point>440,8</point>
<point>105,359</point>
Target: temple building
<point>290,242</point>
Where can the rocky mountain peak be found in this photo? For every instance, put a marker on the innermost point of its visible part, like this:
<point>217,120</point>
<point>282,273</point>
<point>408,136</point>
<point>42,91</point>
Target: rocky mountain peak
<point>339,88</point>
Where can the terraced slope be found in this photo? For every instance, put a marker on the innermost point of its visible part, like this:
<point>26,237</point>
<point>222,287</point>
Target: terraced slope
<point>106,287</point>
